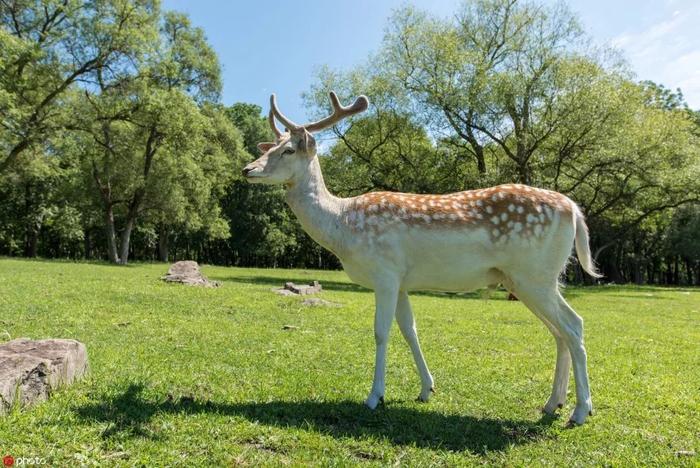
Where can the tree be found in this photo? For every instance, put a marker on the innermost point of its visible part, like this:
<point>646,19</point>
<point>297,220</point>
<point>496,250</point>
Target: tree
<point>645,164</point>
<point>190,183</point>
<point>683,240</point>
<point>498,78</point>
<point>263,231</point>
<point>34,195</point>
<point>512,91</point>
<point>47,46</point>
<point>154,145</point>
<point>387,147</point>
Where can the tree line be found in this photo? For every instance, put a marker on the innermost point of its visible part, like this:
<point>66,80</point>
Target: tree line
<point>114,143</point>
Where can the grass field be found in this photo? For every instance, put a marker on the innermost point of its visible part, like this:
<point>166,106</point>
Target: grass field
<point>202,377</point>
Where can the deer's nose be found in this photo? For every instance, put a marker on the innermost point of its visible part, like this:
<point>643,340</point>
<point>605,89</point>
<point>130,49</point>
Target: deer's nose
<point>247,170</point>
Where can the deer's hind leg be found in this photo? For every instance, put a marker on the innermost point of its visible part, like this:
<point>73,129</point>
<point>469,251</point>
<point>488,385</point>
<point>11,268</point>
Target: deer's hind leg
<point>545,301</point>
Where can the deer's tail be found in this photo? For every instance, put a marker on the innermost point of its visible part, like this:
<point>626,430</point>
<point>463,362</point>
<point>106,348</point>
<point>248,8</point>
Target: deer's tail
<point>583,250</point>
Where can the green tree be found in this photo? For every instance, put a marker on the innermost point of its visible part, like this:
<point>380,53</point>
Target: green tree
<point>154,148</point>
<point>47,46</point>
<point>263,231</point>
<point>388,147</point>
<point>683,240</point>
<point>187,192</point>
<point>512,91</point>
<point>34,196</point>
<point>492,75</point>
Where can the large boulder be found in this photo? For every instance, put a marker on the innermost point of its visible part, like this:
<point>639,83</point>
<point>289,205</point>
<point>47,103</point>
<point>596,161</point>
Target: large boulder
<point>31,369</point>
<point>187,272</point>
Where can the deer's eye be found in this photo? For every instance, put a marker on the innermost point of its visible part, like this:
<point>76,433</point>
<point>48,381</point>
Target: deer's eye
<point>288,151</point>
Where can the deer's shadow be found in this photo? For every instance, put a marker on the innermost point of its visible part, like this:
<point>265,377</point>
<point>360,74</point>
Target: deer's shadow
<point>129,413</point>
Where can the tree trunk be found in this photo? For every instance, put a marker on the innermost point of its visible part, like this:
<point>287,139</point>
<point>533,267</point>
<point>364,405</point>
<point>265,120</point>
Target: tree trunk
<point>579,277</point>
<point>676,274</point>
<point>125,240</point>
<point>32,226</point>
<point>480,159</point>
<point>637,271</point>
<point>524,175</point>
<point>112,254</point>
<point>163,246</point>
<point>31,243</point>
<point>87,243</point>
<point>464,127</point>
<point>138,196</point>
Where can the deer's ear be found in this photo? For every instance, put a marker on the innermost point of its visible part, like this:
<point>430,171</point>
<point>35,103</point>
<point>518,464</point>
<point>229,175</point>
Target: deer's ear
<point>265,147</point>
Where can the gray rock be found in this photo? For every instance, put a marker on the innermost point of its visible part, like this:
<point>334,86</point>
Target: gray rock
<point>299,289</point>
<point>31,369</point>
<point>187,272</point>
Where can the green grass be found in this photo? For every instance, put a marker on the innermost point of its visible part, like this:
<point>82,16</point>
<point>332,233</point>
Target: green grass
<point>189,376</point>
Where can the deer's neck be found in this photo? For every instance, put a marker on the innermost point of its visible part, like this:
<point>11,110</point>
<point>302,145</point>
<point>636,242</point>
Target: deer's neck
<point>320,213</point>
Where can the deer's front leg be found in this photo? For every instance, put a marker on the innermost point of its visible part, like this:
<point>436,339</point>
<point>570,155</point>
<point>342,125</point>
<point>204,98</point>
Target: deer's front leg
<point>385,299</point>
<point>407,325</point>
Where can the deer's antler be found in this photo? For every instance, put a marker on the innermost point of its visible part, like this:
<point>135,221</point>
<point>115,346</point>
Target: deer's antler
<point>273,126</point>
<point>280,116</point>
<point>339,113</point>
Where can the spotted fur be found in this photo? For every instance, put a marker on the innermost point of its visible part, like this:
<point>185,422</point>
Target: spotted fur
<point>505,211</point>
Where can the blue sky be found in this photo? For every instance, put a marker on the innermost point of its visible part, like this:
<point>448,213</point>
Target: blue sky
<point>276,46</point>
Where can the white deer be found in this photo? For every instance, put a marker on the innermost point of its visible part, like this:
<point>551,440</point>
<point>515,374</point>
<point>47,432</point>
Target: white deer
<point>394,243</point>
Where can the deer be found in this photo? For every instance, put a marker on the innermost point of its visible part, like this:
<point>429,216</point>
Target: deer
<point>393,243</point>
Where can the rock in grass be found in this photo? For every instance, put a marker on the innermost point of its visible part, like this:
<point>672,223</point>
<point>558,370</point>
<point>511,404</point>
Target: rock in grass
<point>187,272</point>
<point>31,369</point>
<point>290,289</point>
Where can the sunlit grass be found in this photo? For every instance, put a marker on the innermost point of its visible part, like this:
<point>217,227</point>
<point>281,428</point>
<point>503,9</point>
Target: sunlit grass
<point>183,375</point>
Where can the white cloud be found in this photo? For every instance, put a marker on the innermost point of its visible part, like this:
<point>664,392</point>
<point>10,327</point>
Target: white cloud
<point>668,51</point>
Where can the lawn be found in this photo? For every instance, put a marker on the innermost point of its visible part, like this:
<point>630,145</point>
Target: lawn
<point>189,376</point>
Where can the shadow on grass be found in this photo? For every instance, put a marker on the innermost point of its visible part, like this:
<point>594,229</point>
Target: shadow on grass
<point>632,290</point>
<point>278,281</point>
<point>629,293</point>
<point>129,414</point>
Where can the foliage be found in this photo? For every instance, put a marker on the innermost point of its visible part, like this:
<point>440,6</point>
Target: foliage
<point>514,92</point>
<point>113,142</point>
<point>683,239</point>
<point>149,143</point>
<point>50,45</point>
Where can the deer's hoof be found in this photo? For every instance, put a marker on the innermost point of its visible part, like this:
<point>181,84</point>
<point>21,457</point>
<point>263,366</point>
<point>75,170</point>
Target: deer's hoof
<point>424,396</point>
<point>373,401</point>
<point>552,408</point>
<point>581,412</point>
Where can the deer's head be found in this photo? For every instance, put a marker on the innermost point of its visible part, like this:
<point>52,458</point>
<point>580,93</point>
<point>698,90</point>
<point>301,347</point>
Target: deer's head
<point>287,158</point>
